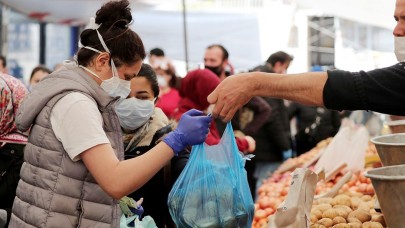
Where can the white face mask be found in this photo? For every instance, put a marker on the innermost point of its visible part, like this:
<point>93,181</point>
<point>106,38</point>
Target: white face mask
<point>399,48</point>
<point>161,81</point>
<point>133,113</point>
<point>114,86</point>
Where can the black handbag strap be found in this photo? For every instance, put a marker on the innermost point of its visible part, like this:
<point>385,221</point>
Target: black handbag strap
<point>312,127</point>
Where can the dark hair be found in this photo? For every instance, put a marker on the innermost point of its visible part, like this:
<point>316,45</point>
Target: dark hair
<point>157,52</point>
<point>225,54</point>
<point>147,72</point>
<point>4,61</point>
<point>40,68</point>
<point>125,45</point>
<point>279,56</point>
<point>173,80</point>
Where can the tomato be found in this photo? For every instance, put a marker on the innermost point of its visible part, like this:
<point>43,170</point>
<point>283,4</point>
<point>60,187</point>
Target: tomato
<point>264,202</point>
<point>260,214</point>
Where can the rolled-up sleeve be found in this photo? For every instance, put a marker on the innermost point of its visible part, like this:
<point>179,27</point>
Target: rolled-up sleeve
<point>381,90</point>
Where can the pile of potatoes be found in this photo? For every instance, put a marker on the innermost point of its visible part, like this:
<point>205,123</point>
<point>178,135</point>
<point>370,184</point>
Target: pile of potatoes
<point>347,210</point>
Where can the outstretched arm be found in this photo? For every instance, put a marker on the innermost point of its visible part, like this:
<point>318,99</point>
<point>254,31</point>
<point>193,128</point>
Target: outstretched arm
<point>235,91</point>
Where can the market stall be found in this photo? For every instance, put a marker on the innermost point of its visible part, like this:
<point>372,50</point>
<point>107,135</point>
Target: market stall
<point>341,198</point>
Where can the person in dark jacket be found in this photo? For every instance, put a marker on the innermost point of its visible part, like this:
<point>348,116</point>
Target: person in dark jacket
<point>273,139</point>
<point>141,140</point>
<point>12,141</point>
<point>278,62</point>
<point>313,125</point>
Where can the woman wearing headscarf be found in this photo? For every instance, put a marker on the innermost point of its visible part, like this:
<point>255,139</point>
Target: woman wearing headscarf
<point>167,79</point>
<point>12,141</point>
<point>195,88</point>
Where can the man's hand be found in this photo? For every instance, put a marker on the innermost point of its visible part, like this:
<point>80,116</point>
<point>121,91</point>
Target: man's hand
<point>230,95</point>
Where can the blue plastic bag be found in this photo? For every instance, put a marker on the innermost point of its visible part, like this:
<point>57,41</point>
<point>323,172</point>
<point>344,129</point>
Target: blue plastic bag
<point>212,191</point>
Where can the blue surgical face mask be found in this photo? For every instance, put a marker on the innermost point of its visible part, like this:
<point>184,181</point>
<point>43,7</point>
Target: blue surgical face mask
<point>133,113</point>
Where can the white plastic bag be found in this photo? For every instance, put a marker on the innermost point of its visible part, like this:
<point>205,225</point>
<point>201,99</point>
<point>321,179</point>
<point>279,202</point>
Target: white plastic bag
<point>348,146</point>
<point>147,222</point>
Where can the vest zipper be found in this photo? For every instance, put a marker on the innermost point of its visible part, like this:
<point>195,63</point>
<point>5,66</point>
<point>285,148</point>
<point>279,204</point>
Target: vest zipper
<point>79,208</point>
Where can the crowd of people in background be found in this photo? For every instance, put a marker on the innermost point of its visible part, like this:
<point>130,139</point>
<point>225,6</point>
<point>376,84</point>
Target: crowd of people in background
<point>161,99</point>
<point>262,126</point>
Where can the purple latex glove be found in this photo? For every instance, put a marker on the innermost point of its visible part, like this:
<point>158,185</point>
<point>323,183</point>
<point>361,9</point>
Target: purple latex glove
<point>137,211</point>
<point>192,129</point>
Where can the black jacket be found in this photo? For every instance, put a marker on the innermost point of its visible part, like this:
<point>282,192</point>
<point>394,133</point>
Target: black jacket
<point>381,90</point>
<point>11,160</point>
<point>274,136</point>
<point>329,120</point>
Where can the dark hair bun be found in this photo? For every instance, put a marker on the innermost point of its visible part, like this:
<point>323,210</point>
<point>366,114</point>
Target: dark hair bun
<point>114,13</point>
<point>85,37</point>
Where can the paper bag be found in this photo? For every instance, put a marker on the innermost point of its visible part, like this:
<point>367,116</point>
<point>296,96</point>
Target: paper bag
<point>348,146</point>
<point>295,211</point>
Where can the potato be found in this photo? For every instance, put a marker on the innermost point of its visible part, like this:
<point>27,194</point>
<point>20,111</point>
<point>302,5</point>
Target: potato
<point>323,207</point>
<point>341,200</point>
<point>326,200</point>
<point>361,215</point>
<point>338,220</point>
<point>355,225</point>
<point>341,225</point>
<point>343,207</point>
<point>357,194</point>
<point>327,222</point>
<point>354,202</point>
<point>343,210</point>
<point>373,212</point>
<point>313,218</point>
<point>379,218</point>
<point>348,193</point>
<point>330,213</point>
<point>366,198</point>
<point>372,225</point>
<point>354,220</point>
<point>317,226</point>
<point>371,203</point>
<point>343,213</point>
<point>317,213</point>
<point>363,206</point>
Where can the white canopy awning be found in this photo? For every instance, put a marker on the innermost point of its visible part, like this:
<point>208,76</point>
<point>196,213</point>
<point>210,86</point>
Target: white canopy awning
<point>71,12</point>
<point>371,12</point>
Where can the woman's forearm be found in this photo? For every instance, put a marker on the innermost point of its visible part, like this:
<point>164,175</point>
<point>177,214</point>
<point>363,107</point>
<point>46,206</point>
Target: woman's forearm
<point>120,178</point>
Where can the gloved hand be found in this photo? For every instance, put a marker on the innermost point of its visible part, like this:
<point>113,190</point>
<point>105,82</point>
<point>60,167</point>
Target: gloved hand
<point>138,209</point>
<point>191,130</point>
